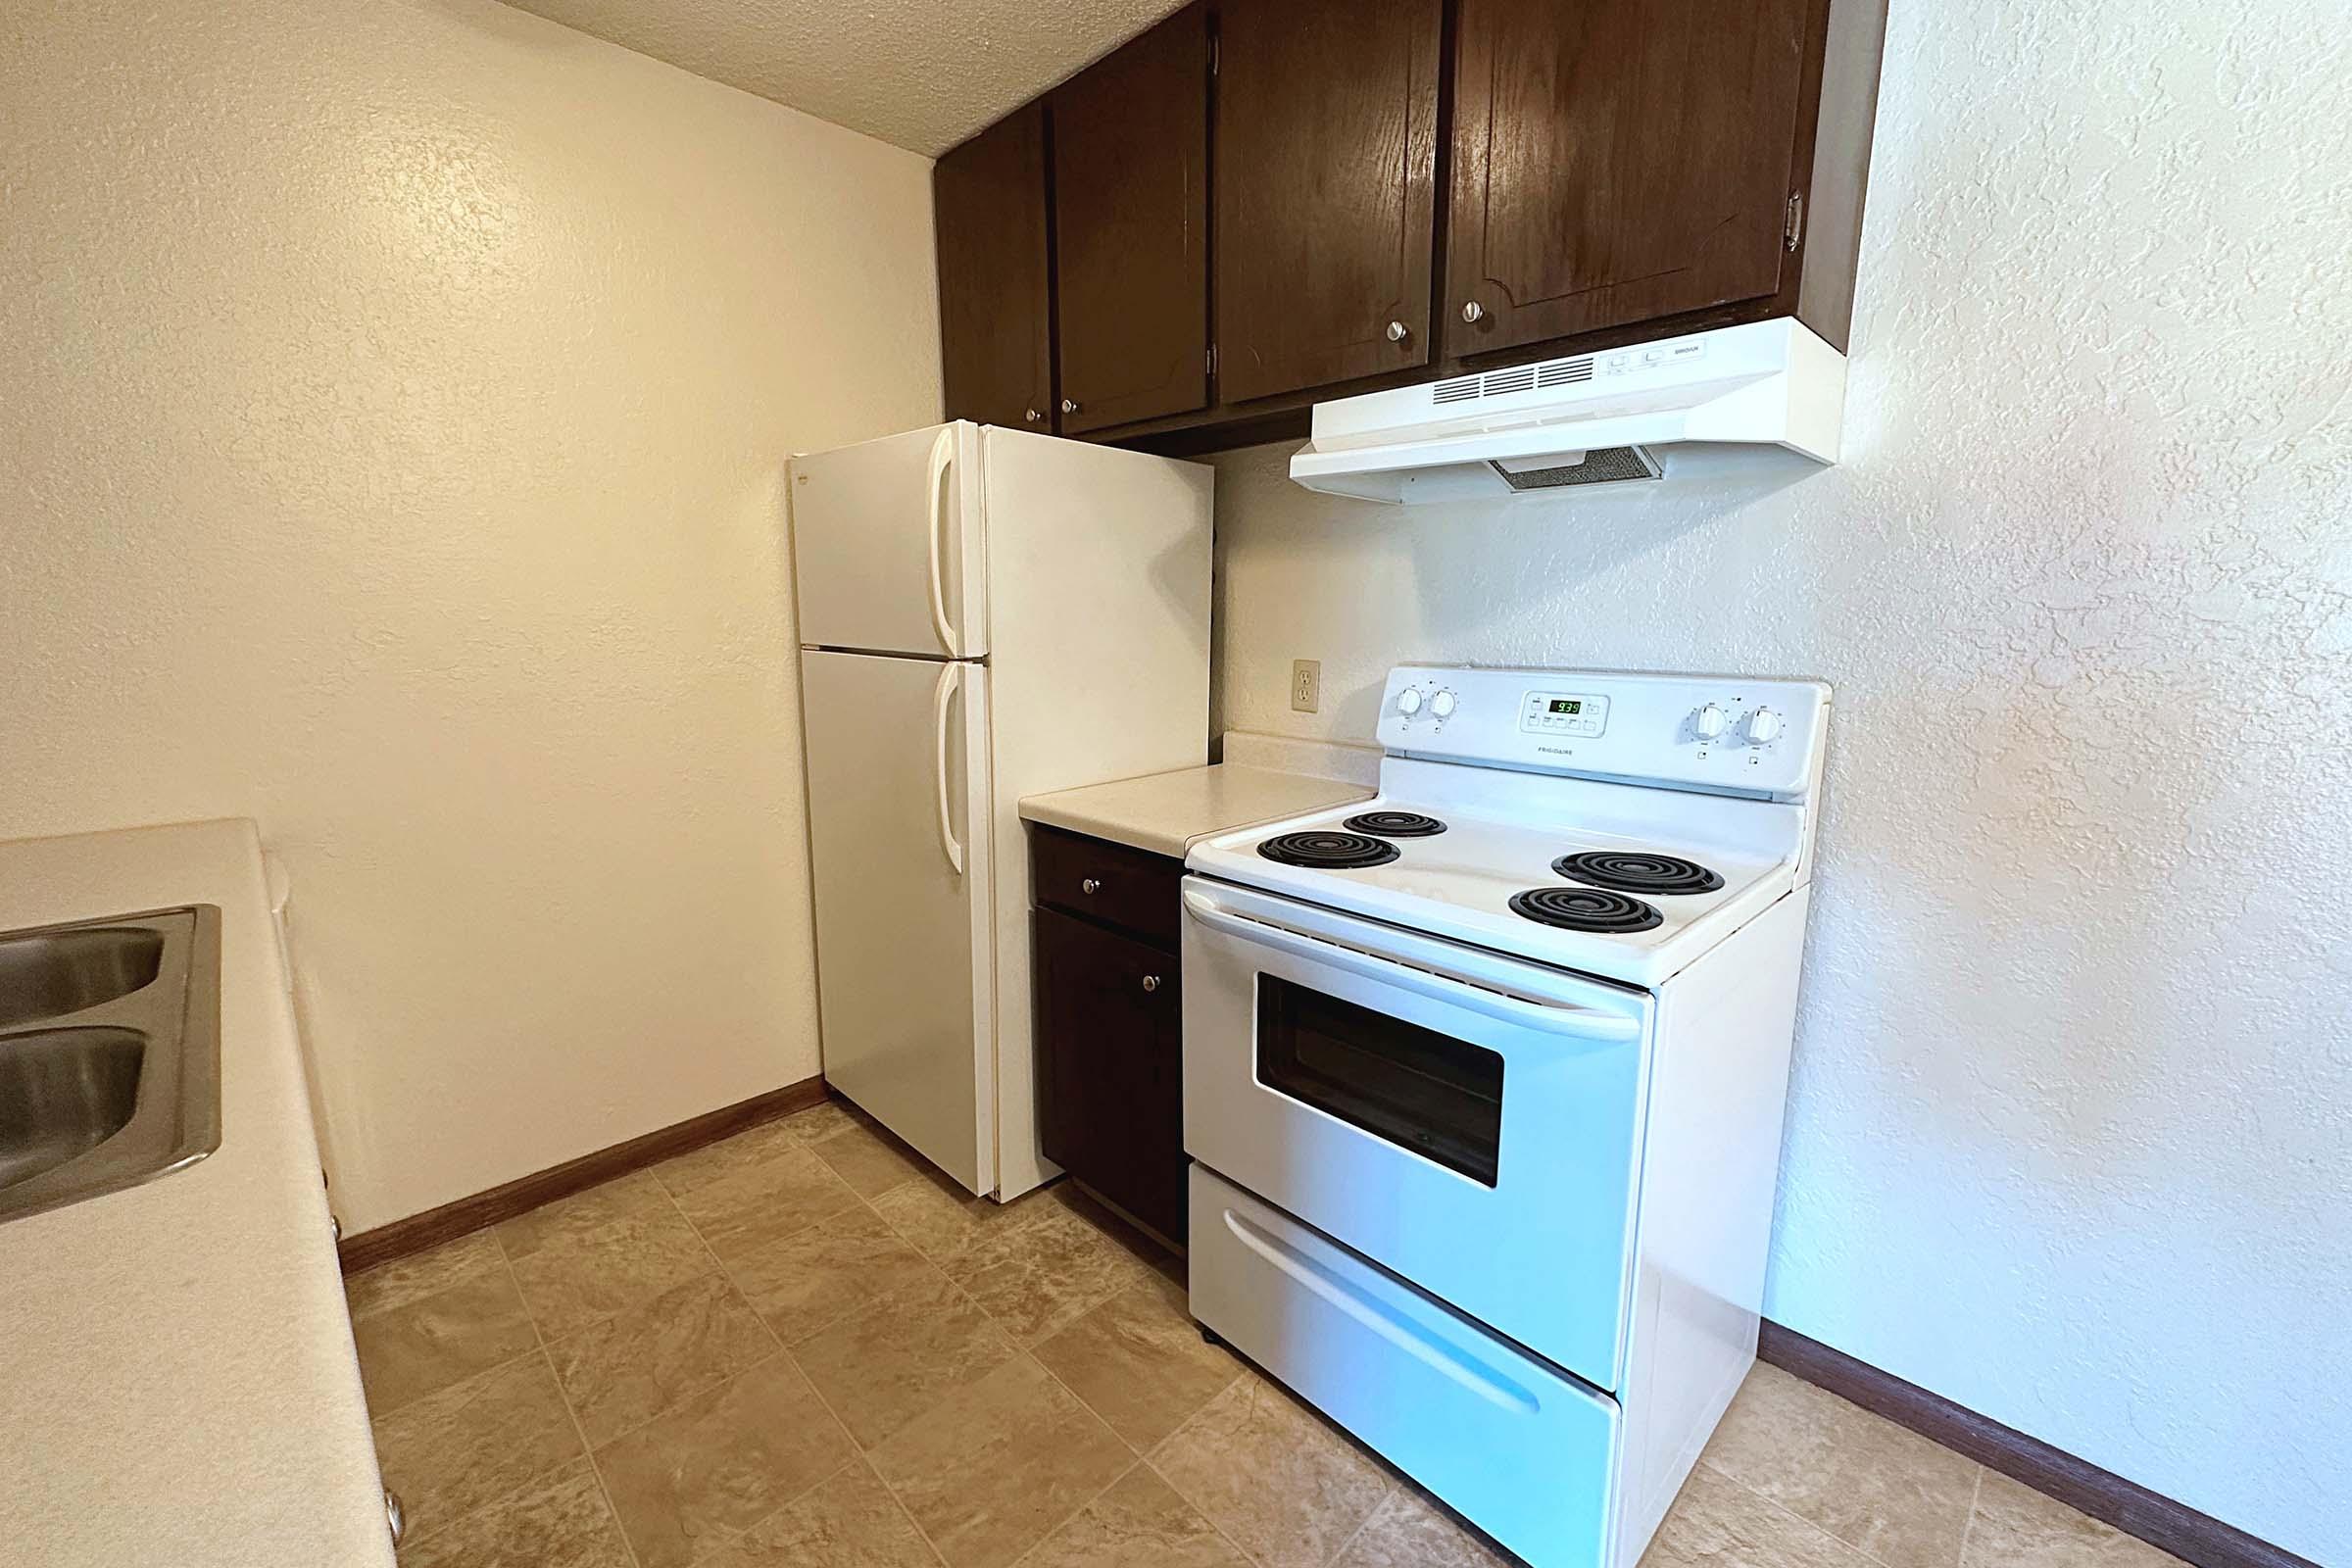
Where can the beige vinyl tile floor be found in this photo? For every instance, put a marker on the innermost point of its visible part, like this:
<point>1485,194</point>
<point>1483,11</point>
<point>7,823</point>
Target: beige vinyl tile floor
<point>799,1346</point>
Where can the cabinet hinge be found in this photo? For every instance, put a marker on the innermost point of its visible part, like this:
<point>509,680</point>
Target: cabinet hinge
<point>1215,53</point>
<point>1793,224</point>
<point>1210,359</point>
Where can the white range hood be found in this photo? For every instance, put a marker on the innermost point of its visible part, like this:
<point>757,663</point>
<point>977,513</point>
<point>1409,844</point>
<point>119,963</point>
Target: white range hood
<point>1619,414</point>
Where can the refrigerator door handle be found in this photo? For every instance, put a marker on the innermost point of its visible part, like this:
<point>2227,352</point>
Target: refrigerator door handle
<point>943,457</point>
<point>951,677</point>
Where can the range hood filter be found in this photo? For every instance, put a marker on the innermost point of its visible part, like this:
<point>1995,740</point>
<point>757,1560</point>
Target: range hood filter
<point>1609,466</point>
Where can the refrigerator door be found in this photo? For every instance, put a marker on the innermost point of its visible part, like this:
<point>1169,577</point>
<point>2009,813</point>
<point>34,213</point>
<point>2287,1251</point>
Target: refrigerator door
<point>887,545</point>
<point>898,819</point>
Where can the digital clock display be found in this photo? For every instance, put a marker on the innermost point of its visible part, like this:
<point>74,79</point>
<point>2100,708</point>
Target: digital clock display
<point>1566,704</point>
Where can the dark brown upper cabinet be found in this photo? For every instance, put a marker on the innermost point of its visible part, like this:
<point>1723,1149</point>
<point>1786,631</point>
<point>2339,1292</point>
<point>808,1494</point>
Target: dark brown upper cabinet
<point>1130,228</point>
<point>994,306</point>
<point>1618,160</point>
<point>1326,156</point>
<point>1578,175</point>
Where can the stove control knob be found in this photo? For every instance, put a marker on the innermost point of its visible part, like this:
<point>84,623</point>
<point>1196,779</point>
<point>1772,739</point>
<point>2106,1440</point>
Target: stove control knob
<point>1763,727</point>
<point>1408,701</point>
<point>1441,704</point>
<point>1708,722</point>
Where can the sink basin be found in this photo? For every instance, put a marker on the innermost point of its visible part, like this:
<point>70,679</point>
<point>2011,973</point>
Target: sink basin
<point>110,1054</point>
<point>64,1092</point>
<point>53,972</point>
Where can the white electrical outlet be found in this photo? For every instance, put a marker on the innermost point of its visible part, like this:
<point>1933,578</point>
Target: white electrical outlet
<point>1306,685</point>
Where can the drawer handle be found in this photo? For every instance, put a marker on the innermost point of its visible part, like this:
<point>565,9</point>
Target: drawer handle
<point>1088,885</point>
<point>1150,982</point>
<point>396,1516</point>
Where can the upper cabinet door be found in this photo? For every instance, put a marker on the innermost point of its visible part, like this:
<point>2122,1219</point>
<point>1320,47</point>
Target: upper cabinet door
<point>996,343</point>
<point>1130,228</point>
<point>1327,124</point>
<point>1616,161</point>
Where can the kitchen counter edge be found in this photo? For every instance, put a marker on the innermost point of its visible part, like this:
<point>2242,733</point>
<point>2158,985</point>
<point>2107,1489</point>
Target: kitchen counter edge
<point>182,1383</point>
<point>1165,813</point>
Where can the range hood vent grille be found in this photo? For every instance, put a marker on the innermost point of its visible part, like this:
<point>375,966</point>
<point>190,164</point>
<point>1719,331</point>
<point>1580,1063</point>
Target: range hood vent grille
<point>1518,378</point>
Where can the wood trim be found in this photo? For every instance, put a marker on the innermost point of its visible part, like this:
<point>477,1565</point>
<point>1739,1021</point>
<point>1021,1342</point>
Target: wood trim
<point>508,1198</point>
<point>1837,179</point>
<point>2174,1527</point>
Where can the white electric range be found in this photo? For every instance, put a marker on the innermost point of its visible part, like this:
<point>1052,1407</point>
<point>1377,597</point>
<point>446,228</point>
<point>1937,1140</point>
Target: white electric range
<point>1483,1084</point>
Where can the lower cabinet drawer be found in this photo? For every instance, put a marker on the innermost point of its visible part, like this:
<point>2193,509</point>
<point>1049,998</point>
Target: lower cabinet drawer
<point>1523,1451</point>
<point>1114,883</point>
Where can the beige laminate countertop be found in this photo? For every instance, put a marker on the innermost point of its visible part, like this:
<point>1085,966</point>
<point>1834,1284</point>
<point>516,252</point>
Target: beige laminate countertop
<point>177,1383</point>
<point>1164,813</point>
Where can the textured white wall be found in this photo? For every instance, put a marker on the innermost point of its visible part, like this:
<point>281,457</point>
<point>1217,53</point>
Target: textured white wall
<point>2071,1133</point>
<point>394,400</point>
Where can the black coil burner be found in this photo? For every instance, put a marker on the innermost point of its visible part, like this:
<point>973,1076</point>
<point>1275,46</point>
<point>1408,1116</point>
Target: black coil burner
<point>1396,825</point>
<point>1328,852</point>
<point>1585,909</point>
<point>1637,873</point>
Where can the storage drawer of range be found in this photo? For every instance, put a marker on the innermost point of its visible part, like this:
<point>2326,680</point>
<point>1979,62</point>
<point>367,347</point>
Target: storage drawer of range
<point>1130,888</point>
<point>1523,1451</point>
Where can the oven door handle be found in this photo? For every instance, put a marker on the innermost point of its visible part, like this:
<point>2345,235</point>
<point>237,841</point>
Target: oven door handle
<point>1552,1017</point>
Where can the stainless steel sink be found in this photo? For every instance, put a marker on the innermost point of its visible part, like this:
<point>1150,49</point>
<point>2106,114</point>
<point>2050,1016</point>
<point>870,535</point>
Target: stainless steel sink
<point>119,1080</point>
<point>64,1092</point>
<point>45,974</point>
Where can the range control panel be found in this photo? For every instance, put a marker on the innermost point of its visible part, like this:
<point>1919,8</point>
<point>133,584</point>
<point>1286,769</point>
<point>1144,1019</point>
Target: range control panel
<point>1716,731</point>
<point>1565,713</point>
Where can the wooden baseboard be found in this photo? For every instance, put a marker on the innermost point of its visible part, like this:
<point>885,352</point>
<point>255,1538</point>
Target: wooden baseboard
<point>503,1201</point>
<point>2174,1527</point>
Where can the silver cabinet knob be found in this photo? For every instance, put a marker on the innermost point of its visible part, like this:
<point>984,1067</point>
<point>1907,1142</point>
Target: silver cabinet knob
<point>1399,331</point>
<point>1088,885</point>
<point>334,1223</point>
<point>1472,310</point>
<point>396,1517</point>
<point>1031,414</point>
<point>1150,982</point>
<point>1068,406</point>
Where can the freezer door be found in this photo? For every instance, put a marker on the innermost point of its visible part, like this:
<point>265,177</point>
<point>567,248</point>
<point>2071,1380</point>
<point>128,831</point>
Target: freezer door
<point>887,545</point>
<point>898,836</point>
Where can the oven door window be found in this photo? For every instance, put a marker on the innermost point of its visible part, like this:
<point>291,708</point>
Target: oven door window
<point>1440,1096</point>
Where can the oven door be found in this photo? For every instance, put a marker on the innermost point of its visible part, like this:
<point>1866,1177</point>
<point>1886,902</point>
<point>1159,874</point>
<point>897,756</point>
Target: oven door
<point>1468,1120</point>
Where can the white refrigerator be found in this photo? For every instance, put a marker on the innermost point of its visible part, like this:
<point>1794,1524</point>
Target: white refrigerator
<point>983,614</point>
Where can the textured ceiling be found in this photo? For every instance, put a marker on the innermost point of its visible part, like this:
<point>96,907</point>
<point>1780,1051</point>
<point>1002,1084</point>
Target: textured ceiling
<point>923,74</point>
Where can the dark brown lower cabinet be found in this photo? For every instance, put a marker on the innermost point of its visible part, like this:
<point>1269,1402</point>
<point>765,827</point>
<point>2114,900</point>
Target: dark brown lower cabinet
<point>1110,1064</point>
